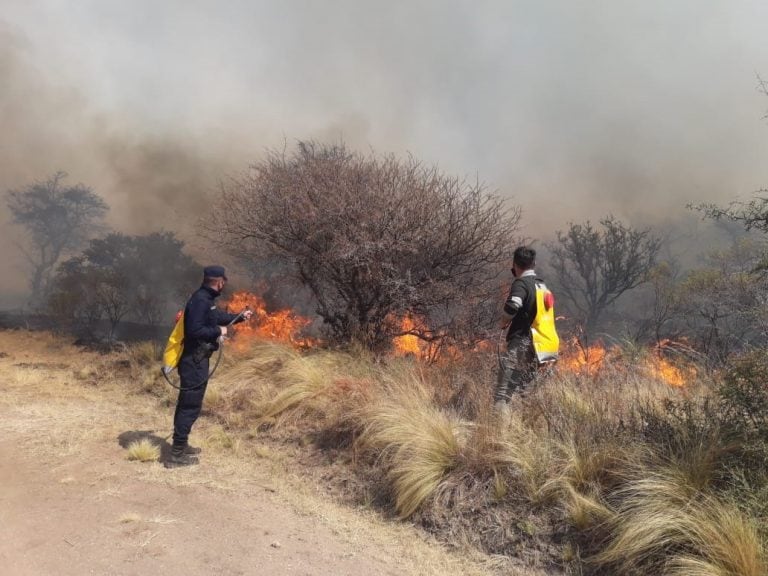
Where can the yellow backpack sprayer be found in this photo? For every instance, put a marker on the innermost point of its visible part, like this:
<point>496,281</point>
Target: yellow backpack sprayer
<point>546,342</point>
<point>175,347</point>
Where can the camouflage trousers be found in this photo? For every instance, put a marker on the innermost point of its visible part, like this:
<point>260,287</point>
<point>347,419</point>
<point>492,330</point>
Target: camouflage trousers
<point>517,369</point>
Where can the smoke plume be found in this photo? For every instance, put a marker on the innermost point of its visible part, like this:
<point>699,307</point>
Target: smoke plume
<point>572,110</point>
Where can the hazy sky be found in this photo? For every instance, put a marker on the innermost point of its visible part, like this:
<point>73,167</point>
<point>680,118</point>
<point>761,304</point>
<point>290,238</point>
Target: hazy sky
<point>573,108</point>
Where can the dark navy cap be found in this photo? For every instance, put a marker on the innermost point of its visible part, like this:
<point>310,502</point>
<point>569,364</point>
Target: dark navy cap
<point>214,272</point>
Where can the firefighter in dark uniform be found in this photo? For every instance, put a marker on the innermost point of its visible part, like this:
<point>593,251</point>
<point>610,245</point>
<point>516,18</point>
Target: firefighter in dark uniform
<point>518,363</point>
<point>204,327</point>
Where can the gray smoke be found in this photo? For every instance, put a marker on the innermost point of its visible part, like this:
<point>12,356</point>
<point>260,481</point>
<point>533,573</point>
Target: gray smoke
<point>574,110</point>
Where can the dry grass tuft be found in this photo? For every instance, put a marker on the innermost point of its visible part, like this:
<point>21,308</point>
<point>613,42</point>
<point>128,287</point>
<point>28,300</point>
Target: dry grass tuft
<point>87,373</point>
<point>214,397</point>
<point>22,376</point>
<point>307,378</point>
<point>277,386</point>
<point>532,457</point>
<point>139,363</point>
<point>584,512</point>
<point>262,358</point>
<point>144,354</point>
<point>264,452</point>
<point>722,542</point>
<point>218,437</point>
<point>418,442</point>
<point>143,450</point>
<point>598,466</point>
<point>662,515</point>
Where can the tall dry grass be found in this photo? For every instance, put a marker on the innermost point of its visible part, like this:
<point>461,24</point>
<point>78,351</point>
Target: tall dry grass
<point>417,442</point>
<point>664,525</point>
<point>619,472</point>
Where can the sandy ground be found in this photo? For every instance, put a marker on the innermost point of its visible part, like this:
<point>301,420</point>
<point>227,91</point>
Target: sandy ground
<point>98,518</point>
<point>95,515</point>
<point>71,503</point>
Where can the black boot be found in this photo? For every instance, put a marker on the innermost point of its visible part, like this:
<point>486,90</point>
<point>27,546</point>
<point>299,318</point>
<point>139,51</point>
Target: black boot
<point>179,458</point>
<point>192,450</point>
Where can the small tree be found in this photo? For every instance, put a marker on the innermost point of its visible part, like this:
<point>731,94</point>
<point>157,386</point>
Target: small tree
<point>595,266</point>
<point>725,304</point>
<point>112,298</point>
<point>58,220</point>
<point>72,299</point>
<point>372,238</point>
<point>661,306</point>
<point>120,276</point>
<point>152,270</point>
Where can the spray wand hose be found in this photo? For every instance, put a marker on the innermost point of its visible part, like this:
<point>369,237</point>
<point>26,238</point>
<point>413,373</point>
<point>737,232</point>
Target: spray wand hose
<point>215,364</point>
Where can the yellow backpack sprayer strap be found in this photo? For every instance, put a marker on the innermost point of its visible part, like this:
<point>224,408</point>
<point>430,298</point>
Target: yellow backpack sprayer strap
<point>546,342</point>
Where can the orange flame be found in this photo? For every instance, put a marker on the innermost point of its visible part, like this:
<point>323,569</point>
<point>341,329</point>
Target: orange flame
<point>437,348</point>
<point>576,359</point>
<point>674,375</point>
<point>409,344</point>
<point>281,325</point>
<point>670,374</point>
<point>580,360</point>
<point>287,326</point>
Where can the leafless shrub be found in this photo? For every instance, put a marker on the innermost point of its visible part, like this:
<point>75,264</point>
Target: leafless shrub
<point>373,239</point>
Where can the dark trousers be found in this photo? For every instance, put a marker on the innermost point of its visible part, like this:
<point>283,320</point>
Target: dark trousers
<point>517,368</point>
<point>194,380</point>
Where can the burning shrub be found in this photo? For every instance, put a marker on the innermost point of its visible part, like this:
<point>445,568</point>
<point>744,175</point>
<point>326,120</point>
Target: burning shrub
<point>373,239</point>
<point>280,326</point>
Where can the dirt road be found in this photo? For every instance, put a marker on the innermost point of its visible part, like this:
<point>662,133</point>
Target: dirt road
<point>71,503</point>
<point>97,516</point>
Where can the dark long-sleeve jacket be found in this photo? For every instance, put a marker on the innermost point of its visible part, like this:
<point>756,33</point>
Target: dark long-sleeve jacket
<point>202,320</point>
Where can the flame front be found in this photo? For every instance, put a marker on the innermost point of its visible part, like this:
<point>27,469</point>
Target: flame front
<point>577,359</point>
<point>281,325</point>
<point>287,326</point>
<point>674,375</point>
